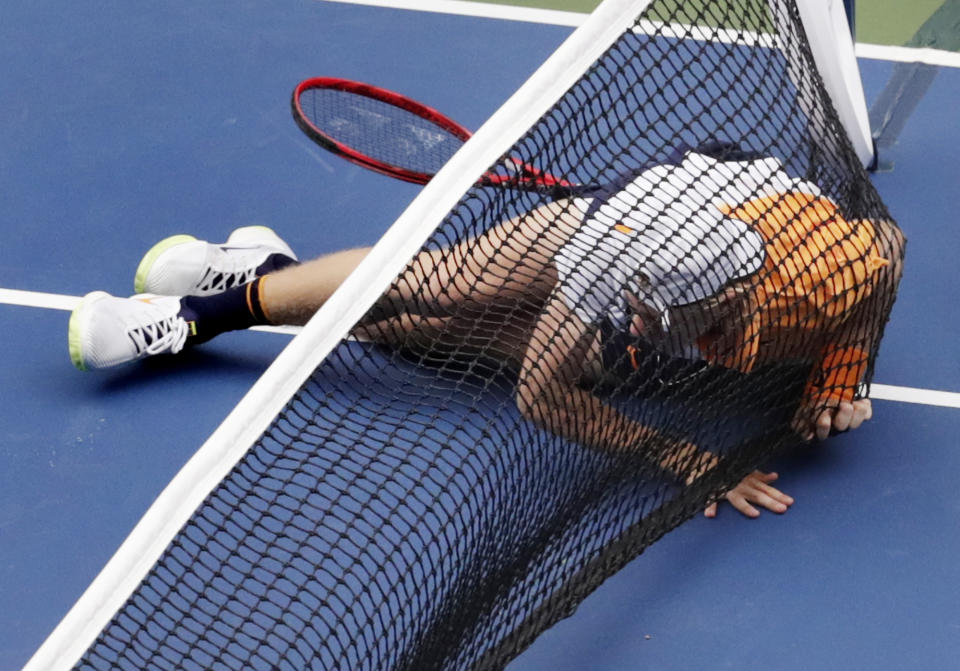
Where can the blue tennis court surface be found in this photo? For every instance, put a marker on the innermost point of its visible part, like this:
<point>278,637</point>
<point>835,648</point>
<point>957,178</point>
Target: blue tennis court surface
<point>137,121</point>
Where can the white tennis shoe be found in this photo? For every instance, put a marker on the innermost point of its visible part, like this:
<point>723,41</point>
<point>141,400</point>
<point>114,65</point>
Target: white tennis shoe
<point>106,331</point>
<point>181,265</point>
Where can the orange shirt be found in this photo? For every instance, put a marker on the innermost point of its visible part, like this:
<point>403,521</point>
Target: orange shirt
<point>818,266</point>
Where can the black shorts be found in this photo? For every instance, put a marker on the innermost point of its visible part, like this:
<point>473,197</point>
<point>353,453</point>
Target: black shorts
<point>633,368</point>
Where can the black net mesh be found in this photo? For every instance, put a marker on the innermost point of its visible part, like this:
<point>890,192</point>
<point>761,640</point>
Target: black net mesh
<point>556,380</point>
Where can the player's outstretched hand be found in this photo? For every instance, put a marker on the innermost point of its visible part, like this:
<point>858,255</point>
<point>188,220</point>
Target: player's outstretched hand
<point>754,490</point>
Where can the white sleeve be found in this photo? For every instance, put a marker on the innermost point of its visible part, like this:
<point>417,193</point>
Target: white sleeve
<point>592,276</point>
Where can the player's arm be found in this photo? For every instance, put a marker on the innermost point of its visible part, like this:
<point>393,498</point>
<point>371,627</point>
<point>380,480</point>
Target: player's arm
<point>831,402</point>
<point>549,394</point>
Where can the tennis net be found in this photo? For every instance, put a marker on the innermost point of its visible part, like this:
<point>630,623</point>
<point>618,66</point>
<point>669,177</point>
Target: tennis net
<point>515,416</point>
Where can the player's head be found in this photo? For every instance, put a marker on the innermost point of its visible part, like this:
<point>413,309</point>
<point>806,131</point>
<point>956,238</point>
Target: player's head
<point>694,264</point>
<point>800,264</point>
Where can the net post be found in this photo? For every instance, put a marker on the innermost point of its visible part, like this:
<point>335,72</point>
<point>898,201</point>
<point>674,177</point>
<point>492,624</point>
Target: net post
<point>827,29</point>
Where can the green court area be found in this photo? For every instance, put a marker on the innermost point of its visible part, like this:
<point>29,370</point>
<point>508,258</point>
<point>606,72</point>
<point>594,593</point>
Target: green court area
<point>890,22</point>
<point>934,23</point>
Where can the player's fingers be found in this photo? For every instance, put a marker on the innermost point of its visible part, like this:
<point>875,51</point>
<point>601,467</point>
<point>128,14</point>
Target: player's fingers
<point>768,497</point>
<point>862,411</point>
<point>711,510</point>
<point>824,421</point>
<point>771,503</point>
<point>804,426</point>
<point>842,416</point>
<point>741,504</point>
<point>774,494</point>
<point>800,425</point>
<point>760,483</point>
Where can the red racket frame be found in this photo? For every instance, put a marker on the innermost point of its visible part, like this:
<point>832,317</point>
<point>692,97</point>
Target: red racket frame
<point>526,176</point>
<point>376,93</point>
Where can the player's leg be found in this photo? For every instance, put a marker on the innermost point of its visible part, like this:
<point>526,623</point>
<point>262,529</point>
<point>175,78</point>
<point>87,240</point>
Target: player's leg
<point>498,331</point>
<point>480,295</point>
<point>507,264</point>
<point>291,296</point>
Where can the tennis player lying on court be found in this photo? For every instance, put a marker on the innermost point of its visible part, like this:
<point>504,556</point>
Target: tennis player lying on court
<point>725,260</point>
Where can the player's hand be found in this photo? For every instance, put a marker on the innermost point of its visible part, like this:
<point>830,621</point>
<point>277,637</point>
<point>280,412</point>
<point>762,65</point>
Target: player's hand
<point>843,417</point>
<point>754,490</point>
<point>837,416</point>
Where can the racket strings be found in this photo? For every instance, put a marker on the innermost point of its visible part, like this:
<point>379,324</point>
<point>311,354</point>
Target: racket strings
<point>380,131</point>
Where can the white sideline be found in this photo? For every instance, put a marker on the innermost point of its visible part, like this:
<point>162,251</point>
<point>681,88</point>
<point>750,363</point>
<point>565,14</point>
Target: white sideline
<point>882,392</point>
<point>925,55</point>
<point>554,17</point>
<point>943,399</point>
<point>481,10</point>
<point>38,299</point>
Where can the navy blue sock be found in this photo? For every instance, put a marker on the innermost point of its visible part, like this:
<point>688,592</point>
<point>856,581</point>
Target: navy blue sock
<point>275,262</point>
<point>232,310</point>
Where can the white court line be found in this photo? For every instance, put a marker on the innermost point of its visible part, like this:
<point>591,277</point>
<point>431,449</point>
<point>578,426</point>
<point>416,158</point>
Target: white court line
<point>943,399</point>
<point>883,392</point>
<point>557,18</point>
<point>880,52</point>
<point>574,19</point>
<point>479,10</point>
<point>36,299</point>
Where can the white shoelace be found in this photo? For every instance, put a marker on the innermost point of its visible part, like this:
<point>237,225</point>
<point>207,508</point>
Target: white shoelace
<point>159,336</point>
<point>216,281</point>
<point>227,271</point>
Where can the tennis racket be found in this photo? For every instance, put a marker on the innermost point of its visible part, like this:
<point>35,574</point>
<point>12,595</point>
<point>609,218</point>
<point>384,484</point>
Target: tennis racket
<point>394,135</point>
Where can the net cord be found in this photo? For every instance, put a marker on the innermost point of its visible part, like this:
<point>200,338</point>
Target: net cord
<point>264,401</point>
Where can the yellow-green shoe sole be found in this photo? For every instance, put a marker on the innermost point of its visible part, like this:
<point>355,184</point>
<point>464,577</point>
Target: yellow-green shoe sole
<point>73,339</point>
<point>75,330</point>
<point>146,264</point>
